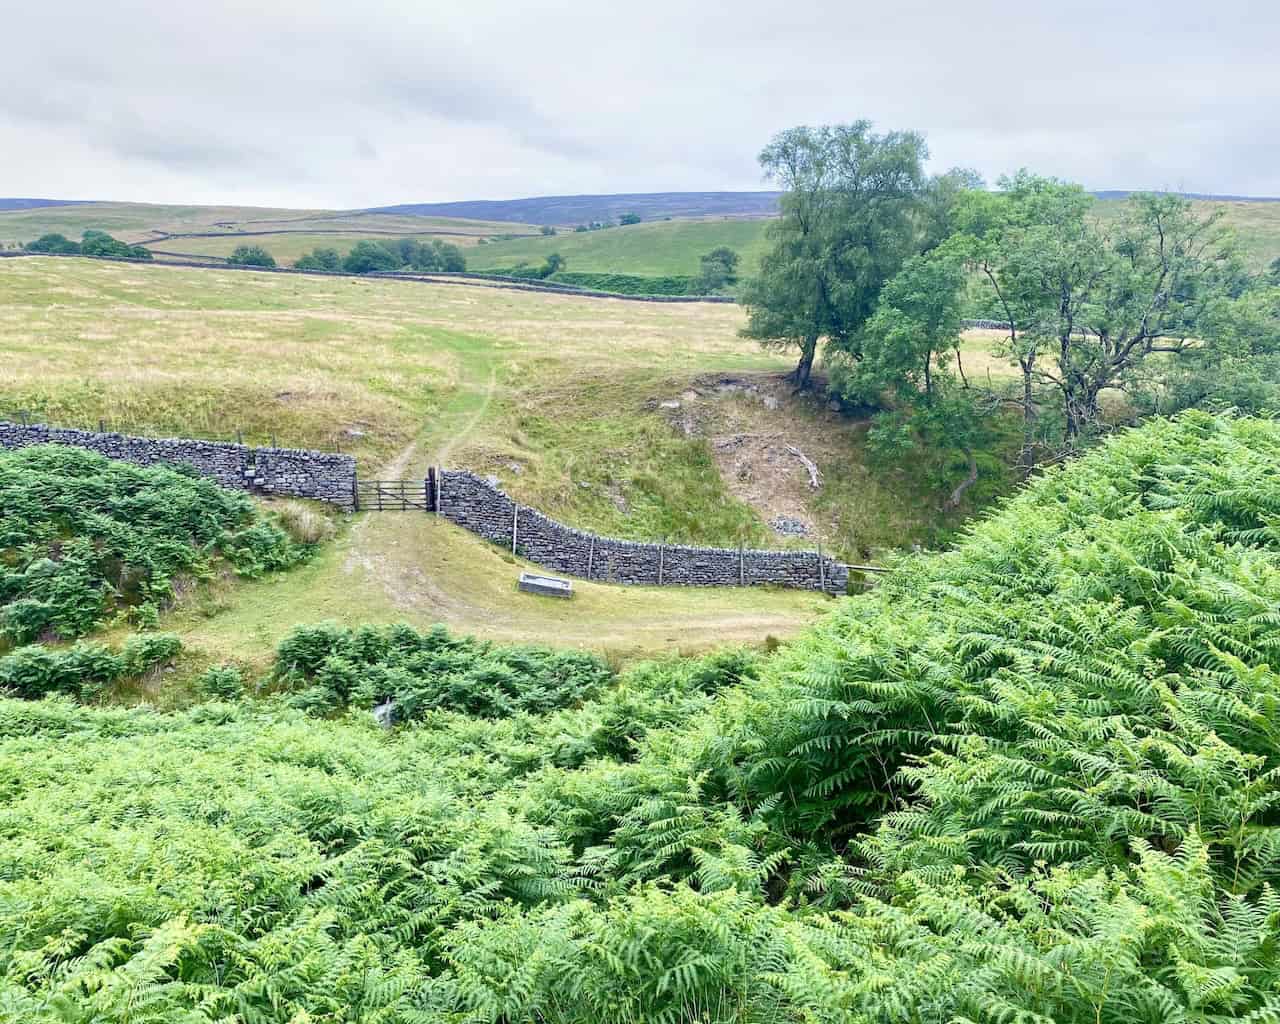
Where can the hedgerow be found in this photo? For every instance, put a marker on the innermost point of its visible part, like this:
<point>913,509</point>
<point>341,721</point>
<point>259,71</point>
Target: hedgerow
<point>82,537</point>
<point>1033,779</point>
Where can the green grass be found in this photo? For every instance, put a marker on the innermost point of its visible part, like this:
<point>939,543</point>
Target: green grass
<point>288,247</point>
<point>650,249</point>
<point>1257,225</point>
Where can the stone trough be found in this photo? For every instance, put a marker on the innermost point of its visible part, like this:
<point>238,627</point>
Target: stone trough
<point>547,586</point>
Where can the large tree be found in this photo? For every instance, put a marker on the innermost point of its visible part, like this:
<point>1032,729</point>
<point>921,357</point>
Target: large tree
<point>1089,301</point>
<point>849,218</point>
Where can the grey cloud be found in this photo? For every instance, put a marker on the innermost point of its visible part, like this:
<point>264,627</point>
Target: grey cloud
<point>310,102</point>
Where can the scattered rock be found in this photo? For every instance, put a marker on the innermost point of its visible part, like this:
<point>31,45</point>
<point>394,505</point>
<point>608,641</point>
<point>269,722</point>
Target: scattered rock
<point>352,432</point>
<point>770,402</point>
<point>689,395</point>
<point>618,498</point>
<point>787,526</point>
<point>584,485</point>
<point>669,404</point>
<point>834,405</point>
<point>492,481</point>
<point>515,467</point>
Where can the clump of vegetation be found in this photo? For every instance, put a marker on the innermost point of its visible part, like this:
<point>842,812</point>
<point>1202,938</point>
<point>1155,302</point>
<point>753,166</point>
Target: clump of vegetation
<point>320,258</point>
<point>82,537</point>
<point>99,243</point>
<point>251,256</point>
<point>384,256</point>
<point>93,243</point>
<point>632,284</point>
<point>220,682</point>
<point>54,243</point>
<point>431,671</point>
<point>719,269</point>
<point>85,669</point>
<point>305,524</point>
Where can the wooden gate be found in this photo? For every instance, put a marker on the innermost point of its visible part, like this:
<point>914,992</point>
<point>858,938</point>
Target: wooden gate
<point>395,495</point>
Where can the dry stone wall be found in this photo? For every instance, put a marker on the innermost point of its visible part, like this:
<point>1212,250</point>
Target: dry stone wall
<point>291,472</point>
<point>477,505</point>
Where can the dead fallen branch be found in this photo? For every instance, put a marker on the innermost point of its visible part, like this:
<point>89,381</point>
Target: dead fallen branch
<point>815,478</point>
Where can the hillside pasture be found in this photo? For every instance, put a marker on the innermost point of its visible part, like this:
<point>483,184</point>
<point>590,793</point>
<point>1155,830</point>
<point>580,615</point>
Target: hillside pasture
<point>288,246</point>
<point>650,249</point>
<point>142,222</point>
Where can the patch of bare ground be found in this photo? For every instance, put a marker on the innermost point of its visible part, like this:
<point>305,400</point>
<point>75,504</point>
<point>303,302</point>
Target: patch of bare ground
<point>769,445</point>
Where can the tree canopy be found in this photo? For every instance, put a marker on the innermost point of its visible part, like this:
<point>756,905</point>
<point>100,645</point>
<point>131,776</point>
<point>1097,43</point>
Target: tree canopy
<point>848,221</point>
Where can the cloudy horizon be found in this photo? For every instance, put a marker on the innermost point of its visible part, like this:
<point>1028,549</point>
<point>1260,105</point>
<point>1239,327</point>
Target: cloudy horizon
<point>325,106</point>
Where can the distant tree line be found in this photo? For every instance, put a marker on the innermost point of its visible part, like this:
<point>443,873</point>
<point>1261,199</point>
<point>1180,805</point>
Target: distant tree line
<point>92,243</point>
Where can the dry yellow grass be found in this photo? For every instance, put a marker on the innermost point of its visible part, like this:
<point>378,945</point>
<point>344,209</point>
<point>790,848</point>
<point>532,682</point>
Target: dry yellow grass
<point>358,363</point>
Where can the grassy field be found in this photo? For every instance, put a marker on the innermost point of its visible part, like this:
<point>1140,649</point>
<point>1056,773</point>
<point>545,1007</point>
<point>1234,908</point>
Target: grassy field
<point>652,250</point>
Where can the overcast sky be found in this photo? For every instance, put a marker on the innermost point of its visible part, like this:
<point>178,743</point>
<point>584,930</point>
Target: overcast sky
<point>372,102</point>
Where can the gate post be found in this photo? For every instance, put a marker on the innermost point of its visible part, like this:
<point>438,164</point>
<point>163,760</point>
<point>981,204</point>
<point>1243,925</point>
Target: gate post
<point>515,525</point>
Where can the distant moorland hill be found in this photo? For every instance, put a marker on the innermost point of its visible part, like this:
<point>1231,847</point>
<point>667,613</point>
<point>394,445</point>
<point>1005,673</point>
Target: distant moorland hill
<point>584,209</point>
<point>34,204</point>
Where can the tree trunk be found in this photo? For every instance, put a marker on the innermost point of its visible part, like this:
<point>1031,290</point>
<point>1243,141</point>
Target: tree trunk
<point>808,349</point>
<point>1025,457</point>
<point>954,501</point>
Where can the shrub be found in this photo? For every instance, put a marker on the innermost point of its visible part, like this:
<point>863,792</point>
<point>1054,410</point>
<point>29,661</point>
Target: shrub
<point>83,670</point>
<point>370,257</point>
<point>305,525</point>
<point>250,256</point>
<point>221,682</point>
<point>320,259</point>
<point>433,670</point>
<point>54,243</point>
<point>99,243</point>
<point>82,536</point>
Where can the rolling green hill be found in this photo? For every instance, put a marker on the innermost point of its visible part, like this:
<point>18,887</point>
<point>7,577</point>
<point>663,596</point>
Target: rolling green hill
<point>649,249</point>
<point>673,247</point>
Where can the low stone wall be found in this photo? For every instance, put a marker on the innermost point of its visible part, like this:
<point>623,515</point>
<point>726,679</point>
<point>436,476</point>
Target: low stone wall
<point>464,278</point>
<point>478,506</point>
<point>292,472</point>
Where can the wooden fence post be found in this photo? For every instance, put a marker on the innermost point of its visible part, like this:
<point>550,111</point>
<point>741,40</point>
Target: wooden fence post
<point>439,489</point>
<point>742,576</point>
<point>591,555</point>
<point>822,571</point>
<point>662,551</point>
<point>355,493</point>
